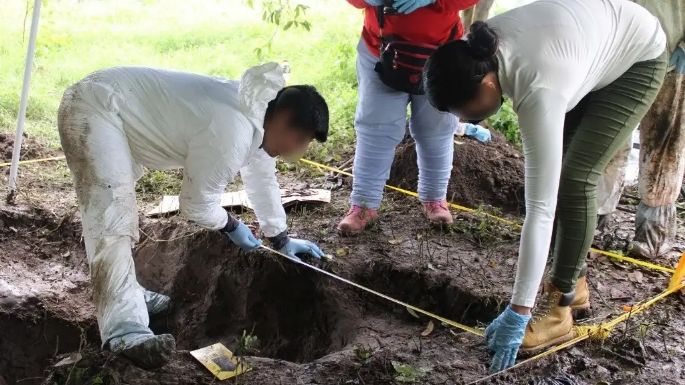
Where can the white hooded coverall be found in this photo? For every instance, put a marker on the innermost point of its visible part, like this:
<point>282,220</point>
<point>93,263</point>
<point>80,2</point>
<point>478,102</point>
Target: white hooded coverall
<point>119,120</point>
<point>662,150</point>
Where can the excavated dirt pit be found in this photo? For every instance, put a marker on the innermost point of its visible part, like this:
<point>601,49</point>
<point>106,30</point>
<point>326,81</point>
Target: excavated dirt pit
<point>298,315</point>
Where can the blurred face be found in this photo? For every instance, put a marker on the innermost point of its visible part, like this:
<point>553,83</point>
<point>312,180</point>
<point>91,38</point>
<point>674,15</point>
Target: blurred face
<point>487,102</point>
<point>282,139</point>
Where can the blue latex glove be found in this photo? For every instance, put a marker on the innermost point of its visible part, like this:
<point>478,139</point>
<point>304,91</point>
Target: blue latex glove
<point>409,6</point>
<point>243,237</point>
<point>300,246</point>
<point>504,337</point>
<point>374,3</point>
<point>480,133</point>
<point>678,60</point>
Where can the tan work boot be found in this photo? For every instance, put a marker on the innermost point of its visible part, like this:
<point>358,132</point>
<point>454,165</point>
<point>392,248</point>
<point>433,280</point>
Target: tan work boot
<point>552,323</point>
<point>580,307</point>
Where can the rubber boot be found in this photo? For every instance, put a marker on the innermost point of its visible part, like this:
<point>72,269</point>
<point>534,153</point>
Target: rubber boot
<point>357,220</point>
<point>552,322</point>
<point>437,213</point>
<point>157,303</point>
<point>148,351</point>
<point>580,307</point>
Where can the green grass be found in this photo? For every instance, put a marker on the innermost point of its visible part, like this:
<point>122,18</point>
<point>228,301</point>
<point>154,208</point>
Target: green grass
<point>218,38</point>
<point>507,123</point>
<point>212,37</point>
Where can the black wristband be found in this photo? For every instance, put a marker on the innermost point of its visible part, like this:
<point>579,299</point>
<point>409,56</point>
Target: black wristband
<point>279,240</point>
<point>231,225</point>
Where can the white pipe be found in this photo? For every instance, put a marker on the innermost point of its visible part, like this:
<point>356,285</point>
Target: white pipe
<point>14,169</point>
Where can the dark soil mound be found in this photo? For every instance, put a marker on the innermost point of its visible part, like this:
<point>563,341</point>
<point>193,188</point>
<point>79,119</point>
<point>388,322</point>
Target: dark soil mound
<point>30,148</point>
<point>483,174</point>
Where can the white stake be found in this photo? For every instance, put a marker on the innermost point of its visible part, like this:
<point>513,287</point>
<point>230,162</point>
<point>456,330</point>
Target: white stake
<point>14,168</point>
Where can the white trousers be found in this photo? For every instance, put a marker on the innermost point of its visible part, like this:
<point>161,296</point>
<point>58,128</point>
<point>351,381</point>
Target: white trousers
<point>104,174</point>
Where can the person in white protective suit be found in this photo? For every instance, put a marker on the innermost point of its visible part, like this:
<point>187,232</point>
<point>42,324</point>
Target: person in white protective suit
<point>119,120</point>
<point>662,148</point>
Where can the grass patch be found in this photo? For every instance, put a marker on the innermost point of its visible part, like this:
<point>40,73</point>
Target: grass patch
<point>212,37</point>
<point>159,182</point>
<point>506,122</point>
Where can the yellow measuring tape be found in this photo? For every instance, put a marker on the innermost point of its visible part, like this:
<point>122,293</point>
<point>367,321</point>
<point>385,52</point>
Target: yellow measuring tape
<point>469,329</point>
<point>33,161</point>
<point>516,225</point>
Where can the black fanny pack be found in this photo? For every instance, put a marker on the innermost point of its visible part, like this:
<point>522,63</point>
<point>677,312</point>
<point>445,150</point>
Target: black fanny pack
<point>401,63</point>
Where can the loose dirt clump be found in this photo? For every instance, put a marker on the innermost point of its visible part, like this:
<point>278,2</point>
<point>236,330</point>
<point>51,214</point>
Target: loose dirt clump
<point>482,174</point>
<point>30,148</point>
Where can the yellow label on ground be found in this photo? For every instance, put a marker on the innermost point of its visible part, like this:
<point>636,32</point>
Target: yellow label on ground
<point>220,361</point>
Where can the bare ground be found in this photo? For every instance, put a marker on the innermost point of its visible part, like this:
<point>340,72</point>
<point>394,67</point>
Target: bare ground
<point>311,329</point>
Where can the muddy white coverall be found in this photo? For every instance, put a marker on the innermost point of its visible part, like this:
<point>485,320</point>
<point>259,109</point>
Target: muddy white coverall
<point>662,150</point>
<point>119,120</point>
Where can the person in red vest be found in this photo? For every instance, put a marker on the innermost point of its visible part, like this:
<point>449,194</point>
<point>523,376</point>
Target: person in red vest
<point>397,38</point>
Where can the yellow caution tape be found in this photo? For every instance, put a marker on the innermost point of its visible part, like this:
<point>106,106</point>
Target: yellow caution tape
<point>469,329</point>
<point>452,205</point>
<point>679,274</point>
<point>410,193</point>
<point>500,219</point>
<point>633,261</point>
<point>601,331</point>
<point>33,161</point>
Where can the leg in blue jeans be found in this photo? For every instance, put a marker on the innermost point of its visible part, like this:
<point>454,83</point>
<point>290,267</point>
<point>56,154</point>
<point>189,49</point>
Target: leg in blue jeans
<point>380,124</point>
<point>433,132</point>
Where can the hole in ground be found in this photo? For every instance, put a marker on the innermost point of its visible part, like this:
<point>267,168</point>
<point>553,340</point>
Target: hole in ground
<point>221,293</point>
<point>435,292</point>
<point>297,314</point>
<point>285,306</point>
<point>28,345</point>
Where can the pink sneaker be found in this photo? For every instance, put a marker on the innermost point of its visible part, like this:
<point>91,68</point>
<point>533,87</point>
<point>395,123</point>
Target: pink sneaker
<point>437,212</point>
<point>356,220</point>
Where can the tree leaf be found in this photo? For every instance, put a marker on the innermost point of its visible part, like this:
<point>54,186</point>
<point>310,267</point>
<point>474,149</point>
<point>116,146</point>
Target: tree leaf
<point>429,329</point>
<point>636,276</point>
<point>412,312</point>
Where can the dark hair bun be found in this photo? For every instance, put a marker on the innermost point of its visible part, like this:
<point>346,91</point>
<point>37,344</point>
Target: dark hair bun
<point>482,40</point>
